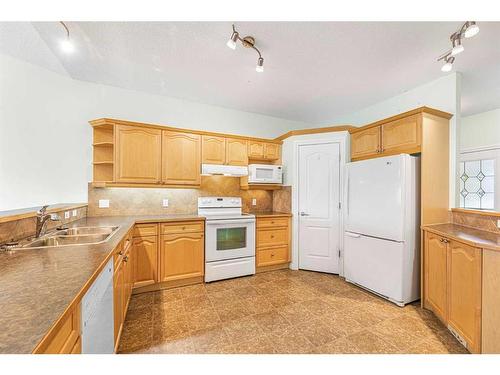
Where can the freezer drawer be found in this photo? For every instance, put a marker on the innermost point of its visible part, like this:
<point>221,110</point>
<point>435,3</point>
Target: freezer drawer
<point>375,264</point>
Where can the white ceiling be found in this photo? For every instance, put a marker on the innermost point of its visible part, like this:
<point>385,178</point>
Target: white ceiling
<point>314,71</point>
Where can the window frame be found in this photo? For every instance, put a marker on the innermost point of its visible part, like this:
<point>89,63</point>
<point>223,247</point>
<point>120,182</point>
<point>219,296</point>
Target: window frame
<point>482,154</point>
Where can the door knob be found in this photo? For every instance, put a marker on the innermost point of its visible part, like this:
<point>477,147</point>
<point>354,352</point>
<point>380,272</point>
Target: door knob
<point>303,214</point>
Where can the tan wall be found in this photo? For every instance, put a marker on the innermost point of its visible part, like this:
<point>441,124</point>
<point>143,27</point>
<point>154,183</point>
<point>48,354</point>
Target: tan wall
<point>148,201</point>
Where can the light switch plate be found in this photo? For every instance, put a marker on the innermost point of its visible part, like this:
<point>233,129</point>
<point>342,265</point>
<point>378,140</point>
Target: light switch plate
<point>165,203</point>
<point>66,215</point>
<point>75,212</point>
<point>254,201</point>
<point>103,203</point>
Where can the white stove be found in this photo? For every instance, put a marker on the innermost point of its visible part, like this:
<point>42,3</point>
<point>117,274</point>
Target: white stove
<point>229,238</point>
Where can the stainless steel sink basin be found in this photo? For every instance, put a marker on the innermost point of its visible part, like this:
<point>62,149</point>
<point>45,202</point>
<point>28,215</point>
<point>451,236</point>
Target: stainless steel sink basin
<point>72,237</point>
<point>67,240</point>
<point>78,231</point>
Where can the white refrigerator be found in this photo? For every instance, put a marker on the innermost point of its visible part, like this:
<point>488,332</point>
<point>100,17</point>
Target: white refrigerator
<point>382,235</point>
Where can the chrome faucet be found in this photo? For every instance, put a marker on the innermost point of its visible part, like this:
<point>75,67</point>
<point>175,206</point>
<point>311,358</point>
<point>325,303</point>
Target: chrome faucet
<point>41,220</point>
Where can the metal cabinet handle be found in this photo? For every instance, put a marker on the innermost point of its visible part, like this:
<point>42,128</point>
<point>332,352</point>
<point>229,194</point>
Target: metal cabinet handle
<point>125,258</point>
<point>303,214</point>
<point>272,235</point>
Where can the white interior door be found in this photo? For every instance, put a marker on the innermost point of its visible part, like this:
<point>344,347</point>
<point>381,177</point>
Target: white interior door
<point>318,207</point>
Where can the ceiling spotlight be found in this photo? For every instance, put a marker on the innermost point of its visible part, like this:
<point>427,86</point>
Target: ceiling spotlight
<point>248,42</point>
<point>471,29</point>
<point>468,30</point>
<point>231,43</point>
<point>66,44</point>
<point>456,42</point>
<point>260,65</point>
<point>448,65</point>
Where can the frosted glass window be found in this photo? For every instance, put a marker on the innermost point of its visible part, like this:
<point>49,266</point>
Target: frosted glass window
<point>477,184</point>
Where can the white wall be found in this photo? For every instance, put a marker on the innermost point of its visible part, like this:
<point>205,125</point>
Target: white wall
<point>45,138</point>
<point>480,130</point>
<point>442,94</point>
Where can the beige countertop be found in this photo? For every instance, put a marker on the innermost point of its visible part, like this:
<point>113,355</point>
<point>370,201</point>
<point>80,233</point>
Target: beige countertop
<point>37,286</point>
<point>471,236</point>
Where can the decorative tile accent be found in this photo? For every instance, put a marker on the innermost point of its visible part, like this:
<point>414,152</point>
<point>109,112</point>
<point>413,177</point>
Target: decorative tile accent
<point>148,201</point>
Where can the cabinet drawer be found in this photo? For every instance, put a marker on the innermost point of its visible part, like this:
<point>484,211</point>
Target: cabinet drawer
<point>276,255</point>
<point>272,222</point>
<point>272,237</point>
<point>182,227</point>
<point>144,230</point>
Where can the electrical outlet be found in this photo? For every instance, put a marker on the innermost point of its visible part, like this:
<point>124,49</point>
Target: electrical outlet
<point>498,223</point>
<point>75,212</point>
<point>66,215</point>
<point>165,202</point>
<point>103,203</point>
<point>254,201</point>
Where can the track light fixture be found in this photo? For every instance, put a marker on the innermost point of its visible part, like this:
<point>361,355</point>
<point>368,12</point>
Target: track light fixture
<point>66,44</point>
<point>248,42</point>
<point>468,30</point>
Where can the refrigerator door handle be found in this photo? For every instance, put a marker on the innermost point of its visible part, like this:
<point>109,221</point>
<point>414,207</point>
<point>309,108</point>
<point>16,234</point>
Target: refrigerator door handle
<point>353,235</point>
<point>347,193</point>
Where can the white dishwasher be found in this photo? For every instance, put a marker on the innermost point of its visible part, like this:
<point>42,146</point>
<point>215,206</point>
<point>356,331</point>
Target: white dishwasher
<point>97,314</point>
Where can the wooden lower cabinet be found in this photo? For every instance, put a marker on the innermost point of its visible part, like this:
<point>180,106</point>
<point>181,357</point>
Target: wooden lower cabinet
<point>452,286</point>
<point>464,293</point>
<point>435,275</point>
<point>145,251</point>
<point>118,293</point>
<point>64,338</point>
<point>272,243</point>
<point>182,256</point>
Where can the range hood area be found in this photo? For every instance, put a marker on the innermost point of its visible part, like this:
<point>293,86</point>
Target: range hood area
<point>224,170</point>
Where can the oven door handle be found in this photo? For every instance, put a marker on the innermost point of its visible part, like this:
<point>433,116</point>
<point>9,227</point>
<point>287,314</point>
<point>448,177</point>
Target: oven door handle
<point>237,221</point>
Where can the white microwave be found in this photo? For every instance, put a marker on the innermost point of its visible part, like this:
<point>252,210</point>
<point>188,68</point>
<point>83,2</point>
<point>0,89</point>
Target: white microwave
<point>265,174</point>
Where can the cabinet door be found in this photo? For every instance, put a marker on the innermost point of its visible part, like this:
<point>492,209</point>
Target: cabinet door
<point>402,135</point>
<point>213,150</point>
<point>236,151</point>
<point>181,158</point>
<point>435,275</point>
<point>464,292</point>
<point>271,151</point>
<point>145,261</point>
<point>255,150</point>
<point>118,300</point>
<point>365,143</point>
<point>138,154</point>
<point>181,256</point>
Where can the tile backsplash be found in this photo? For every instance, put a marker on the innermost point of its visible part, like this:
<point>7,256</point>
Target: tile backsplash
<point>23,228</point>
<point>471,219</point>
<point>148,201</point>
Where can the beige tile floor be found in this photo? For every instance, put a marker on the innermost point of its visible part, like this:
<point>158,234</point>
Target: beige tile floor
<point>279,312</point>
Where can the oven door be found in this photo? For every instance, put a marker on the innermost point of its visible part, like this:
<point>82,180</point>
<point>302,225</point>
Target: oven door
<point>229,239</point>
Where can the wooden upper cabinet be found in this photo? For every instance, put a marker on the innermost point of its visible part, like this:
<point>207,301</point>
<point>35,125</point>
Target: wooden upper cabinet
<point>181,158</point>
<point>138,154</point>
<point>365,143</point>
<point>402,135</point>
<point>213,149</point>
<point>435,275</point>
<point>464,289</point>
<point>272,151</point>
<point>236,151</point>
<point>255,150</point>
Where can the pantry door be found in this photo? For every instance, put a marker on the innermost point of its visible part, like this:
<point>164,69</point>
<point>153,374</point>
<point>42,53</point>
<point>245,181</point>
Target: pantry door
<point>319,207</point>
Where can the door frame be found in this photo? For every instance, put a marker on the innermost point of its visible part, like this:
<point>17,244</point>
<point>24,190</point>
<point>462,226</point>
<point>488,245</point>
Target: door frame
<point>341,140</point>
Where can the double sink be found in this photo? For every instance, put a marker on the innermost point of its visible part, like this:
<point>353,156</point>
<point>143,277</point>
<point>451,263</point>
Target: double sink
<point>73,236</point>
